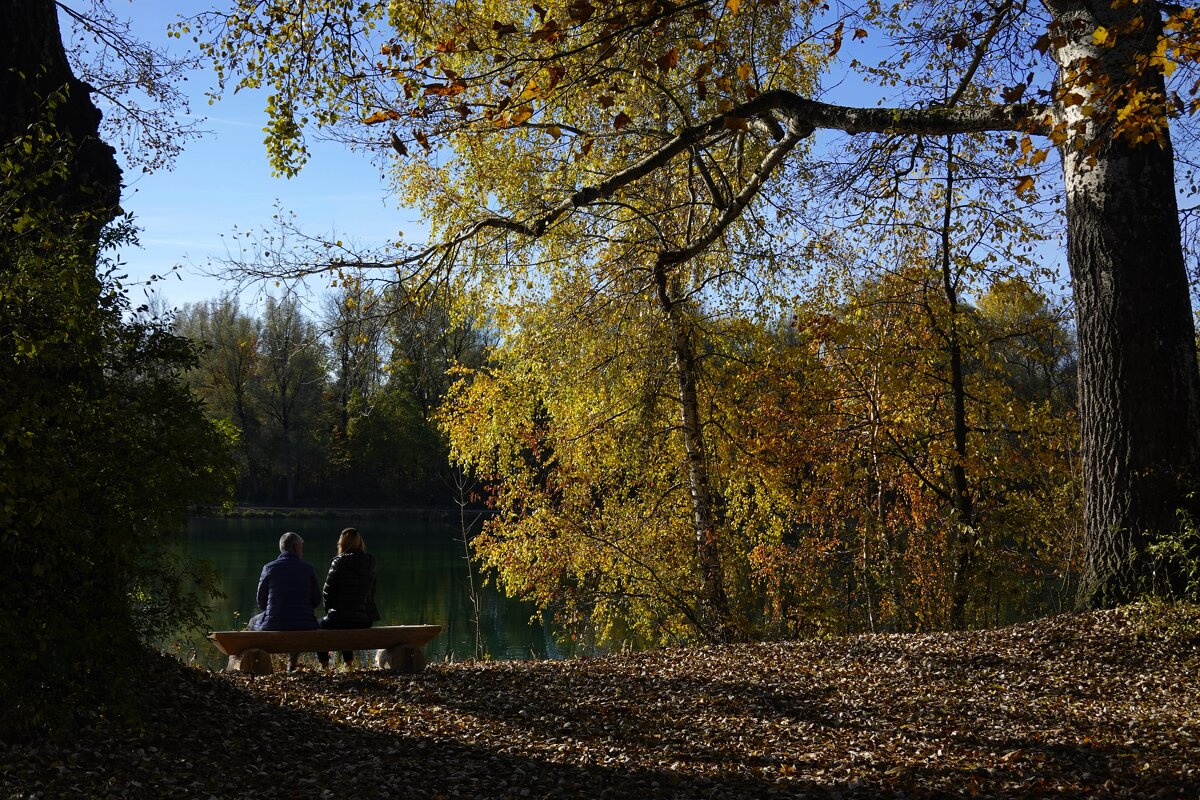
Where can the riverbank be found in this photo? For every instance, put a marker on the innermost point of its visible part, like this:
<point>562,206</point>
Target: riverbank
<point>328,512</point>
<point>1105,704</point>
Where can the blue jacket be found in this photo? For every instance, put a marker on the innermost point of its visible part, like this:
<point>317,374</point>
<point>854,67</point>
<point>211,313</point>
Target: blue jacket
<point>287,594</point>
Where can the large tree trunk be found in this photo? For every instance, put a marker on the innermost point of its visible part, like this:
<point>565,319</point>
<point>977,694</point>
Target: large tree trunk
<point>1139,390</point>
<point>37,86</point>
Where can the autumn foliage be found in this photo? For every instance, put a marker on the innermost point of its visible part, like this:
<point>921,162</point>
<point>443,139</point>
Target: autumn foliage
<point>752,381</point>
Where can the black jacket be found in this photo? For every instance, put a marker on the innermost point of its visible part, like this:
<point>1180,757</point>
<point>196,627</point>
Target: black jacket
<point>349,591</point>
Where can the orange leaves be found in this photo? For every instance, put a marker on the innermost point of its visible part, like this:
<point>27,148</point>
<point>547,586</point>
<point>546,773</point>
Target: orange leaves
<point>580,11</point>
<point>518,116</point>
<point>550,32</point>
<point>445,89</point>
<point>1013,94</point>
<point>836,44</point>
<point>398,145</point>
<point>667,61</point>
<point>381,116</point>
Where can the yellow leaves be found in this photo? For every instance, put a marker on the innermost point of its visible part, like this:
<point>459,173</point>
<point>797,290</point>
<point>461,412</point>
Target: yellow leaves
<point>1103,37</point>
<point>382,116</point>
<point>1160,59</point>
<point>531,91</point>
<point>521,114</point>
<point>733,5</point>
<point>743,72</point>
<point>1143,118</point>
<point>1025,184</point>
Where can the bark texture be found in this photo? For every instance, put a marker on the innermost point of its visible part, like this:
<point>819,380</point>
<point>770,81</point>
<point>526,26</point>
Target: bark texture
<point>714,602</point>
<point>1139,390</point>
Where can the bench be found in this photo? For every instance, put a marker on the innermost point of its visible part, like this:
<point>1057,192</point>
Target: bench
<point>399,646</point>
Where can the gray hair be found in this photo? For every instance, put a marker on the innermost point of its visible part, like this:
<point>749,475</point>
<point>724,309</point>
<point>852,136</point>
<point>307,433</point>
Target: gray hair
<point>289,541</point>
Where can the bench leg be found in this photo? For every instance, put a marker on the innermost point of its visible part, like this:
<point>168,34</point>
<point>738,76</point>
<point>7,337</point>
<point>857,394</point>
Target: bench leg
<point>251,662</point>
<point>401,659</point>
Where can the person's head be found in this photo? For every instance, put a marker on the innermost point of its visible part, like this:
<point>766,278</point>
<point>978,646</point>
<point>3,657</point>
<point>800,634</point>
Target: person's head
<point>351,542</point>
<point>291,543</point>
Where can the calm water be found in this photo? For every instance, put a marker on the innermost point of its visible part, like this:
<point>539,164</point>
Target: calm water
<point>422,579</point>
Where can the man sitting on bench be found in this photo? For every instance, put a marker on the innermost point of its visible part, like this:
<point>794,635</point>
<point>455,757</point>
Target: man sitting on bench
<point>287,593</point>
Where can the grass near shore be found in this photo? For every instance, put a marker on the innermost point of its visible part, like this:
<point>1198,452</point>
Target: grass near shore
<point>1105,704</point>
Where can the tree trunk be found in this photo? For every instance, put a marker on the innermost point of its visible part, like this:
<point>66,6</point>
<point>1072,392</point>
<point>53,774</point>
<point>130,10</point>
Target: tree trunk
<point>1139,390</point>
<point>963,540</point>
<point>38,86</point>
<point>713,600</point>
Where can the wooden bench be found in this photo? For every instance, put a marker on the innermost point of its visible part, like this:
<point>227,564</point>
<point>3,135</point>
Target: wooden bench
<point>399,646</point>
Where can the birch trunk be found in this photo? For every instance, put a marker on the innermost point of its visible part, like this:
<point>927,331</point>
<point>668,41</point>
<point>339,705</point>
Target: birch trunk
<point>714,602</point>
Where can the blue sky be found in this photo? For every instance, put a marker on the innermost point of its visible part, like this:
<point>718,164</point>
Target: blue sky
<point>223,180</point>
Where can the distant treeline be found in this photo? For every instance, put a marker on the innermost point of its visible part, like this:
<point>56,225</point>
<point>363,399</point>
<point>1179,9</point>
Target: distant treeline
<point>333,406</point>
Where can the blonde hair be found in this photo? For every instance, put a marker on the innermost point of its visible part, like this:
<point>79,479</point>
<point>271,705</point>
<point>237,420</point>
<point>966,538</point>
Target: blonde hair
<point>351,542</point>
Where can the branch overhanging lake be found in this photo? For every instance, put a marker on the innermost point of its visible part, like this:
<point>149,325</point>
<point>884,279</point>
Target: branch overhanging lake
<point>801,118</point>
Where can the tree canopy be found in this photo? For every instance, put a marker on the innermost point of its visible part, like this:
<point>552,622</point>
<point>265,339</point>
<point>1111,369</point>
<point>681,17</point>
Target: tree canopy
<point>598,150</point>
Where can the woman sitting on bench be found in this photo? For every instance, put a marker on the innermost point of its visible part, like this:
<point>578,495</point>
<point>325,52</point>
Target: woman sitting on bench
<point>349,591</point>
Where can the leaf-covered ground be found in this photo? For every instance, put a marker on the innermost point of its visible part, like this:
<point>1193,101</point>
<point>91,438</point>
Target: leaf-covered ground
<point>1097,705</point>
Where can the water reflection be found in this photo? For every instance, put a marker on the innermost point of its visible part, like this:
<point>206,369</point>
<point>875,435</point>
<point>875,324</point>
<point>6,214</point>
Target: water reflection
<point>422,579</point>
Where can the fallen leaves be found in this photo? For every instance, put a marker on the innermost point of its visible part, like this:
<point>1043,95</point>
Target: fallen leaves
<point>1103,704</point>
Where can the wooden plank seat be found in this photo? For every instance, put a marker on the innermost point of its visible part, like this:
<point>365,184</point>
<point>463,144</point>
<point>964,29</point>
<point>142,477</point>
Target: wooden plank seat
<point>399,646</point>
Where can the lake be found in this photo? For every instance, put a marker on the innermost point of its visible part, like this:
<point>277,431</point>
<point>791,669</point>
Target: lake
<point>422,572</point>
